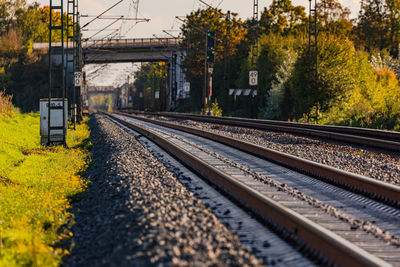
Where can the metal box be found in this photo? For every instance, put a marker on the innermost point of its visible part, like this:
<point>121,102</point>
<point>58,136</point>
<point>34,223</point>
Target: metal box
<point>56,120</point>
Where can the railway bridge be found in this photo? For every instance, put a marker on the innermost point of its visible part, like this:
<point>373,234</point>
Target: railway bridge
<point>104,51</point>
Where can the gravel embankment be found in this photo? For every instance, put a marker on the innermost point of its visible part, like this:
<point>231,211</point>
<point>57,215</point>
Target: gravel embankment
<point>136,213</point>
<point>378,165</point>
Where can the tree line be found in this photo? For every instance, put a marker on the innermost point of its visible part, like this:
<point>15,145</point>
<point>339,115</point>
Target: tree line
<point>23,72</point>
<point>358,63</point>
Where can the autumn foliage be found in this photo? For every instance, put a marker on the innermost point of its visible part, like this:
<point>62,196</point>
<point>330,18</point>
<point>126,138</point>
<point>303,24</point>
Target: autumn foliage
<point>6,107</point>
<point>350,88</point>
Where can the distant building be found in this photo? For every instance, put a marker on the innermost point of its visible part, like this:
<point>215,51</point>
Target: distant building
<point>102,89</point>
<point>102,97</point>
<point>123,96</point>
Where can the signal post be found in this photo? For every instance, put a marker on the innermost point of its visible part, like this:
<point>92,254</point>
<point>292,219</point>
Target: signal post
<point>209,62</point>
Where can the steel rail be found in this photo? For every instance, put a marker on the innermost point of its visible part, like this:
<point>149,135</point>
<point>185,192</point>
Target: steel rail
<point>335,248</point>
<point>389,140</point>
<point>380,190</point>
<point>374,133</point>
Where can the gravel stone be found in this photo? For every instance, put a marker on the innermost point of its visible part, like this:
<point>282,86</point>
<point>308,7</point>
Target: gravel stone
<point>378,164</point>
<point>137,213</point>
<point>327,208</point>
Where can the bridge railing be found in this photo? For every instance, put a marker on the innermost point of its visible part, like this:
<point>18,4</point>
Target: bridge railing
<point>125,43</point>
<point>119,43</point>
<point>45,45</point>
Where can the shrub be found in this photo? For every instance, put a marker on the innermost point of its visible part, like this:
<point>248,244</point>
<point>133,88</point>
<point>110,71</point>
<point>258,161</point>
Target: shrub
<point>274,99</point>
<point>373,103</point>
<point>277,55</point>
<point>337,69</point>
<point>215,109</point>
<point>6,107</point>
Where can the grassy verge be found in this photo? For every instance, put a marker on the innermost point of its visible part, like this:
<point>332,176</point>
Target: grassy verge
<point>37,185</point>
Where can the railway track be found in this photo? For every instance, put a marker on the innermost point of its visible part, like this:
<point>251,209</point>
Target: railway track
<point>388,140</point>
<point>376,189</point>
<point>359,228</point>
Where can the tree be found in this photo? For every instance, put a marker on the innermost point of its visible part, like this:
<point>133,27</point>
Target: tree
<point>333,17</point>
<point>194,36</point>
<point>11,48</point>
<point>379,24</point>
<point>8,13</point>
<point>283,17</point>
<point>33,22</point>
<point>336,76</point>
<point>393,25</point>
<point>22,72</point>
<point>275,65</point>
<point>151,78</point>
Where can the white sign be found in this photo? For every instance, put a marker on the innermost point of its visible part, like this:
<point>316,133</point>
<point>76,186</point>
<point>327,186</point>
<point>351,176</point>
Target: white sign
<point>238,92</point>
<point>157,95</point>
<point>244,92</point>
<point>78,78</point>
<point>247,92</point>
<point>186,87</point>
<point>253,78</point>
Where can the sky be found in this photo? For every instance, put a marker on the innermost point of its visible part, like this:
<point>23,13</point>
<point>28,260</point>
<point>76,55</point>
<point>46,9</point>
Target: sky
<point>162,12</point>
<point>162,15</point>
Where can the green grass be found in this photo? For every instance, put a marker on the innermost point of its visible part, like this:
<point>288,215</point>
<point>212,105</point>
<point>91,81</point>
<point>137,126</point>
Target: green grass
<point>37,185</point>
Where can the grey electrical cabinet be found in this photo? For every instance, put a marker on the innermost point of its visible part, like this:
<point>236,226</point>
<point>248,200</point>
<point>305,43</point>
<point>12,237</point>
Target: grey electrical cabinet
<point>56,120</point>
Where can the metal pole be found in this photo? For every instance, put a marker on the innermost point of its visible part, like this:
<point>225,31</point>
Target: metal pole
<point>50,76</point>
<point>204,95</point>
<point>226,52</point>
<point>74,108</point>
<point>254,57</point>
<point>313,48</point>
<point>316,41</point>
<point>64,89</point>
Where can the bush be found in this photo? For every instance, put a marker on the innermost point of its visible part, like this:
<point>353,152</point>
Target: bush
<point>337,69</point>
<point>274,99</point>
<point>215,109</point>
<point>277,56</point>
<point>375,105</point>
<point>6,107</point>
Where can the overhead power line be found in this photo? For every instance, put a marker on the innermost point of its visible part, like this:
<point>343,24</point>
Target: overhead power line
<point>210,5</point>
<point>170,34</point>
<point>206,4</point>
<point>102,13</point>
<point>109,25</point>
<point>93,30</point>
<point>135,19</point>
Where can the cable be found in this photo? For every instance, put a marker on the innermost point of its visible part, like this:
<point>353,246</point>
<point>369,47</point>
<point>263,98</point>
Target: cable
<point>102,14</point>
<point>109,25</point>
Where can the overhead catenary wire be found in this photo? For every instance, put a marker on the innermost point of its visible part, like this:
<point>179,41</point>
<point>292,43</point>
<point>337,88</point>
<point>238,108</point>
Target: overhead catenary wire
<point>199,29</point>
<point>134,3</point>
<point>124,19</point>
<point>96,73</point>
<point>102,13</point>
<point>206,4</point>
<point>115,33</point>
<point>170,34</point>
<point>93,30</point>
<point>109,25</point>
<point>124,22</point>
<point>220,3</point>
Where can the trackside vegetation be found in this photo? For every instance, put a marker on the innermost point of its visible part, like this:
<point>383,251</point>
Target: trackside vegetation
<point>37,186</point>
<point>358,64</point>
